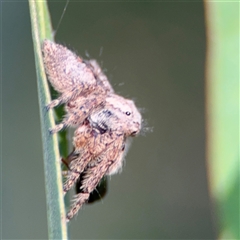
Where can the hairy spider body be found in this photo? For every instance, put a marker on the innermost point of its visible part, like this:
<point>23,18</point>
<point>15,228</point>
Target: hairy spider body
<point>104,121</point>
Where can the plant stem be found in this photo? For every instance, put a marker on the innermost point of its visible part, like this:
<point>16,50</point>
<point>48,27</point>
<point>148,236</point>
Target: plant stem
<point>41,29</point>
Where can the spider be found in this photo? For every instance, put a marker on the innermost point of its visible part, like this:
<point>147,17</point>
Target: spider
<point>104,121</point>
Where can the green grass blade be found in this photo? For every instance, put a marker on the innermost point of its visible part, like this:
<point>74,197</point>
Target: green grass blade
<point>41,29</point>
<point>222,88</point>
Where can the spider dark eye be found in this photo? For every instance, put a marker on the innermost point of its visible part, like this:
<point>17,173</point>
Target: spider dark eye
<point>128,113</point>
<point>134,133</point>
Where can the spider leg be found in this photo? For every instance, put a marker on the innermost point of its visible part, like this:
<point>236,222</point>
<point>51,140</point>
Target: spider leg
<point>76,168</point>
<point>53,104</point>
<point>79,109</point>
<point>66,163</point>
<point>70,120</point>
<point>64,98</point>
<point>71,179</point>
<point>57,128</point>
<point>92,177</point>
<point>99,75</point>
<point>94,172</point>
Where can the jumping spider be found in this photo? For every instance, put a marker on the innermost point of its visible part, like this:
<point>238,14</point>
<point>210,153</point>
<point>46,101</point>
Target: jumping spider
<point>104,121</point>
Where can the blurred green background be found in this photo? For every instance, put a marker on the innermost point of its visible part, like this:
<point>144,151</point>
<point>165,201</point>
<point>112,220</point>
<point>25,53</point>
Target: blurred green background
<point>154,53</point>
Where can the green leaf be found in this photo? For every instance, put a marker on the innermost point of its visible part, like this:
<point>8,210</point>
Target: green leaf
<point>222,86</point>
<point>41,29</point>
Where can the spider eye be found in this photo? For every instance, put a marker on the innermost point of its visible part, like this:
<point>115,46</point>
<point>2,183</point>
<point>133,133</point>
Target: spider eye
<point>128,113</point>
<point>134,133</point>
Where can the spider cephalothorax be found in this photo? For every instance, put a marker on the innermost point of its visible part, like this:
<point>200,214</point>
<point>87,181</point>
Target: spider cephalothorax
<point>104,121</point>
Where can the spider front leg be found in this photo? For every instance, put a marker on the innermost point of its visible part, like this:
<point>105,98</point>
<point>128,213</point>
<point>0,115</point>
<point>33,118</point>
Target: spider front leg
<point>76,167</point>
<point>95,170</point>
<point>92,177</point>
